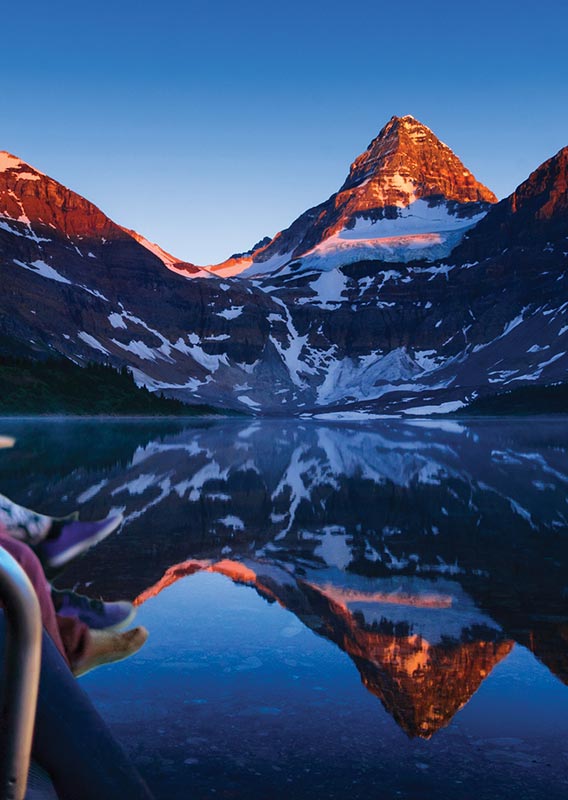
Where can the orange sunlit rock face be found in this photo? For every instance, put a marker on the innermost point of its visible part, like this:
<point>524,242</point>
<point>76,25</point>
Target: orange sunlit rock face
<point>547,184</point>
<point>234,570</point>
<point>421,684</point>
<point>406,162</point>
<point>407,158</point>
<point>32,198</point>
<point>29,196</point>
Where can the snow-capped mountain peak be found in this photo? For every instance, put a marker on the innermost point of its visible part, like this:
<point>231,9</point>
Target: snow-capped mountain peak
<point>407,196</point>
<point>407,161</point>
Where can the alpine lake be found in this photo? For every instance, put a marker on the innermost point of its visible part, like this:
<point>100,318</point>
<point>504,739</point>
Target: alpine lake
<point>336,610</point>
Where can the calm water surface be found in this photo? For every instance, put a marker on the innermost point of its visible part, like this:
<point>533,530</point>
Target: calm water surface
<point>335,612</point>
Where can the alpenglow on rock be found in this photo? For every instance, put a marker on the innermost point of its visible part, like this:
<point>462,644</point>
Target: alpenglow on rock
<point>406,197</point>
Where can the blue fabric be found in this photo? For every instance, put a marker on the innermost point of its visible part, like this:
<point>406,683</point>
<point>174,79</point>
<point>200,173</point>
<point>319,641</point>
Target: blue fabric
<point>39,785</point>
<point>72,742</point>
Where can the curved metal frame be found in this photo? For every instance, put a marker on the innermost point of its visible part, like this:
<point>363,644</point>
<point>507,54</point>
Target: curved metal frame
<point>21,683</point>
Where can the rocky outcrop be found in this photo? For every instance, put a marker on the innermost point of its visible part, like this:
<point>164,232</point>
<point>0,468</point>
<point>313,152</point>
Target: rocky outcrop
<point>33,199</point>
<point>534,217</point>
<point>406,162</point>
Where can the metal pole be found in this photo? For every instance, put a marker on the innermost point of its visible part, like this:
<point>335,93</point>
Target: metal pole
<point>22,667</point>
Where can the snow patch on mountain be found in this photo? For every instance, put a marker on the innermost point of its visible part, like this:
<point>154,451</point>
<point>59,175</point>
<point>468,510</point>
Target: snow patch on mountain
<point>375,374</point>
<point>116,320</point>
<point>139,348</point>
<point>9,162</point>
<point>271,264</point>
<point>7,224</point>
<point>230,313</point>
<point>442,408</point>
<point>418,217</point>
<point>230,268</point>
<point>28,176</point>
<point>334,548</point>
<point>390,242</point>
<point>39,267</point>
<point>92,342</point>
<point>210,362</point>
<point>291,355</point>
<point>328,288</point>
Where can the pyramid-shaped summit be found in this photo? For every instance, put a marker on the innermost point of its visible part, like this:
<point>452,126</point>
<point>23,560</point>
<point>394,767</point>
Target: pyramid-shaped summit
<point>406,161</point>
<point>408,196</point>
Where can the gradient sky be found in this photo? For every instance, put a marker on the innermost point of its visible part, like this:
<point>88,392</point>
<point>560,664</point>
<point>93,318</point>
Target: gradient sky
<point>208,124</point>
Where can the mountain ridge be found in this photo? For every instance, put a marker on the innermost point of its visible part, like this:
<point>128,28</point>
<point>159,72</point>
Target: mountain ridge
<point>34,199</point>
<point>442,317</point>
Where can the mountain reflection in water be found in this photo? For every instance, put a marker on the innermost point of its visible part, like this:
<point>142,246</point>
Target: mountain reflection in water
<point>423,550</point>
<point>422,655</point>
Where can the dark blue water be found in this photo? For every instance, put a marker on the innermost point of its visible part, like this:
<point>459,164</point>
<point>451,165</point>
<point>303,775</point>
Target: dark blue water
<point>335,611</point>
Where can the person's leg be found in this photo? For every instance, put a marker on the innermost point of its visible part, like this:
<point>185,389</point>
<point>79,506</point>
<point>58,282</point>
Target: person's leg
<point>97,614</point>
<point>32,529</point>
<point>22,523</point>
<point>82,648</point>
<point>71,539</point>
<point>55,540</point>
<point>69,635</point>
<point>106,647</point>
<point>71,741</point>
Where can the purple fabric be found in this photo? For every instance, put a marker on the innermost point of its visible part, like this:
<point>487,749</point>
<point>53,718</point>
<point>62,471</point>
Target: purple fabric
<point>69,634</point>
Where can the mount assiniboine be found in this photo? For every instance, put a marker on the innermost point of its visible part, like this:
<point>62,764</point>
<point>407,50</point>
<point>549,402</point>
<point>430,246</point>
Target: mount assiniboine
<point>410,290</point>
<point>406,197</point>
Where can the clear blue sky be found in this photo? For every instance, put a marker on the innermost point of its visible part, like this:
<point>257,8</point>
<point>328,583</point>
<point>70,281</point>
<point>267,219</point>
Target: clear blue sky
<point>207,124</point>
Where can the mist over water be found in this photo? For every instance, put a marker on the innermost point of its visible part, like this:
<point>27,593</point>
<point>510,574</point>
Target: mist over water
<point>334,611</point>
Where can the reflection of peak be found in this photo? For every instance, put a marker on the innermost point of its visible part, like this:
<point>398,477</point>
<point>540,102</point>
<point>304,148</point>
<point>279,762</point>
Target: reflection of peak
<point>421,683</point>
<point>423,686</point>
<point>235,570</point>
<point>170,576</point>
